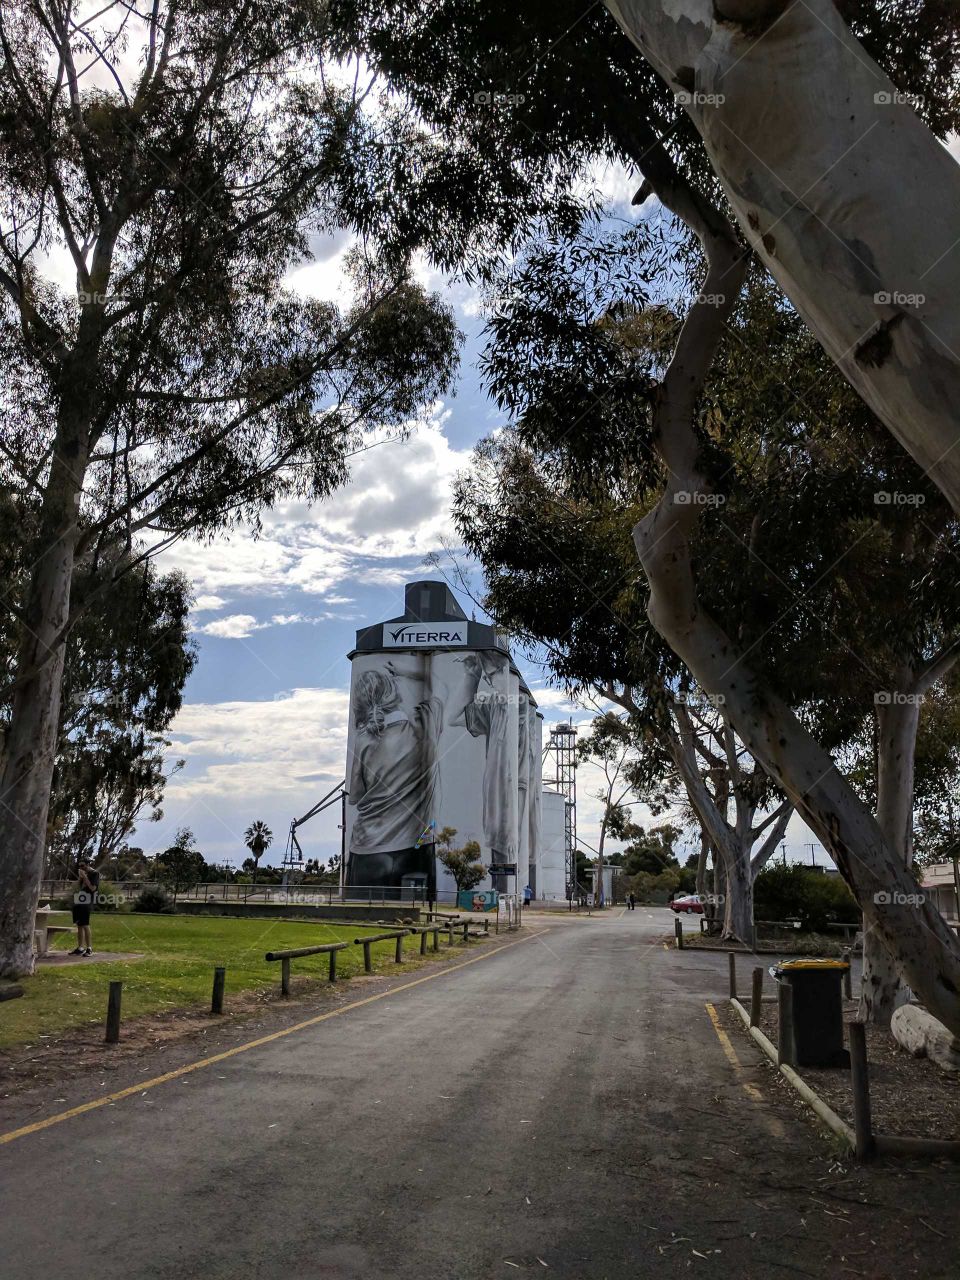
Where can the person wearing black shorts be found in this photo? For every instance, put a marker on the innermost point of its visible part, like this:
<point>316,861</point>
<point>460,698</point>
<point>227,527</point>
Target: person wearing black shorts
<point>83,900</point>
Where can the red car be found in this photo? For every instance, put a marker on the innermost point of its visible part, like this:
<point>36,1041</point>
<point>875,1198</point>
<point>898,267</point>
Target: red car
<point>688,902</point>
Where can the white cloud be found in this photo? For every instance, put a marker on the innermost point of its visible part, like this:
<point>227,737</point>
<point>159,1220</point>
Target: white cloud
<point>235,626</point>
<point>394,511</point>
<point>208,604</point>
<point>292,743</point>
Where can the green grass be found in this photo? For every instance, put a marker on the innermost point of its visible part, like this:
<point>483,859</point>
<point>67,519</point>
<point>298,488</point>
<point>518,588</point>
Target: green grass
<point>179,954</point>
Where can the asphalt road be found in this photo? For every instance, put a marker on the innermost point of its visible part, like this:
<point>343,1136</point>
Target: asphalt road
<point>564,1106</point>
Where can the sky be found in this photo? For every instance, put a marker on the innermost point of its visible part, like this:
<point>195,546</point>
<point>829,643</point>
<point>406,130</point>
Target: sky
<point>262,731</point>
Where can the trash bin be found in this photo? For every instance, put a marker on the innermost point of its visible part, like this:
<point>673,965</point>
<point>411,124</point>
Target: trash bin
<point>817,1010</point>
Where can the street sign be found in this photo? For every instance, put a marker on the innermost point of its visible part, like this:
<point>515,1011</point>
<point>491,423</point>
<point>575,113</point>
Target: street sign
<point>504,869</point>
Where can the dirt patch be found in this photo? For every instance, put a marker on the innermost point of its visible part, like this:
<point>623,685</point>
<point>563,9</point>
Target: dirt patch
<point>909,1097</point>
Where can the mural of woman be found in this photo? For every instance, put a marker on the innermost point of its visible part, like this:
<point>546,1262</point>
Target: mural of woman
<point>483,707</point>
<point>393,776</point>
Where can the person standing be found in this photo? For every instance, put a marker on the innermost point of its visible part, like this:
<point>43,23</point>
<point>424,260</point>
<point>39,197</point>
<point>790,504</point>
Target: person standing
<point>633,902</point>
<point>83,900</point>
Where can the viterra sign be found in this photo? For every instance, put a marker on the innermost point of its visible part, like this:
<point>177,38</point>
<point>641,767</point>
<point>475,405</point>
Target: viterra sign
<point>423,635</point>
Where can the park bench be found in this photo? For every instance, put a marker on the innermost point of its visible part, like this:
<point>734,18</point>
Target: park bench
<point>325,948</point>
<point>43,932</point>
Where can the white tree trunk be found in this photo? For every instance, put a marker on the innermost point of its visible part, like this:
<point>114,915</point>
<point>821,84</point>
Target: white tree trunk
<point>881,991</point>
<point>27,761</point>
<point>824,168</point>
<point>928,952</point>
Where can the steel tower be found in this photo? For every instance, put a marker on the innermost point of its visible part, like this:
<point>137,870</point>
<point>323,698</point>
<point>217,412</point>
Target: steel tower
<point>563,747</point>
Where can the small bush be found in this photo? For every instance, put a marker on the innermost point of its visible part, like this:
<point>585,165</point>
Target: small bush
<point>797,893</point>
<point>155,901</point>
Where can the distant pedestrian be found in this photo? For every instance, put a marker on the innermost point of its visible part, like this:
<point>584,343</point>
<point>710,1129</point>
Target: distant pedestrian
<point>527,895</point>
<point>84,897</point>
<point>633,902</point>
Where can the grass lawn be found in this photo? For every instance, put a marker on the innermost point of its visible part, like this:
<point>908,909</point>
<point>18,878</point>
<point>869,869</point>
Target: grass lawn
<point>179,954</point>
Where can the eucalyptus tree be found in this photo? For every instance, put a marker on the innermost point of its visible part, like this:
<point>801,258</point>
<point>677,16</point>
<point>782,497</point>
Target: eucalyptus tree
<point>174,163</point>
<point>125,665</point>
<point>791,529</point>
<point>814,124</point>
<point>821,154</point>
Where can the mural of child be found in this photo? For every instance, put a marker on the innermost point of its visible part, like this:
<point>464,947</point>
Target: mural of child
<point>393,776</point>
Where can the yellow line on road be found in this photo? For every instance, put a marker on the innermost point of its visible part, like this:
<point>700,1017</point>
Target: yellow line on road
<point>751,1090</point>
<point>243,1048</point>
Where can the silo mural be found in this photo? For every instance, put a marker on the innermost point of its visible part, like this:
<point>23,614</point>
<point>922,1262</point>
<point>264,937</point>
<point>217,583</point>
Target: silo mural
<point>442,733</point>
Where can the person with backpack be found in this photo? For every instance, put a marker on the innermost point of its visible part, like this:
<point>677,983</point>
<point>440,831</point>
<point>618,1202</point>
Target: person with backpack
<point>88,882</point>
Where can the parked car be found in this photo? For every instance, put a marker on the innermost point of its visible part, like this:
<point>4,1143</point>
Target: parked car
<point>687,902</point>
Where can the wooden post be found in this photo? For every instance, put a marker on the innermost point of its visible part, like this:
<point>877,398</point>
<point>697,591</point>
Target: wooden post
<point>367,963</point>
<point>398,953</point>
<point>678,932</point>
<point>333,966</point>
<point>732,966</point>
<point>285,976</point>
<point>423,942</point>
<point>113,1013</point>
<point>219,982</point>
<point>860,1083</point>
<point>450,934</point>
<point>786,1049</point>
<point>436,939</point>
<point>466,930</point>
<point>756,997</point>
<point>848,975</point>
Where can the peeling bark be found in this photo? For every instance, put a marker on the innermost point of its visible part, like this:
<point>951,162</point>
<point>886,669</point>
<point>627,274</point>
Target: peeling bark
<point>822,162</point>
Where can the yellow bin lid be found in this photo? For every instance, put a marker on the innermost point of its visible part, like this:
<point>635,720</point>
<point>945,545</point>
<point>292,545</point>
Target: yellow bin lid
<point>813,964</point>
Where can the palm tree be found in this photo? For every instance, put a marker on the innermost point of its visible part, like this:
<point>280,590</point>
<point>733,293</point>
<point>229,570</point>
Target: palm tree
<point>258,838</point>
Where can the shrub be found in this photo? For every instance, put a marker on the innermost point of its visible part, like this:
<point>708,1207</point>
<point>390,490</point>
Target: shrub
<point>798,893</point>
<point>154,901</point>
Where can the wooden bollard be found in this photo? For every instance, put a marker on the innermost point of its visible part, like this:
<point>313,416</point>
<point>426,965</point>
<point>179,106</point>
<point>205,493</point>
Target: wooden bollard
<point>332,970</point>
<point>860,1083</point>
<point>732,965</point>
<point>398,953</point>
<point>466,931</point>
<point>285,976</point>
<point>847,975</point>
<point>367,962</point>
<point>436,939</point>
<point>423,942</point>
<point>678,932</point>
<point>219,982</point>
<point>756,997</point>
<point>113,1013</point>
<point>450,935</point>
<point>786,1046</point>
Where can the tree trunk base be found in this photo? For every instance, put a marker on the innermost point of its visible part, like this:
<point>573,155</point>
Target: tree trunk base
<point>17,961</point>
